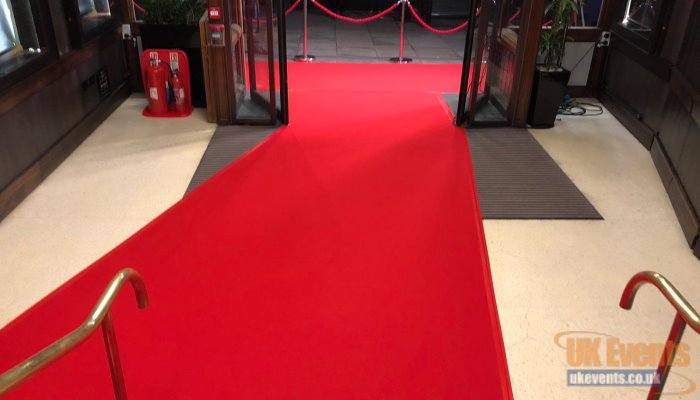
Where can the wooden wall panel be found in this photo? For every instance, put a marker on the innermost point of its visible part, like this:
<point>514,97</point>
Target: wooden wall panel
<point>656,96</point>
<point>636,88</point>
<point>525,60</point>
<point>40,120</point>
<point>689,59</point>
<point>45,116</point>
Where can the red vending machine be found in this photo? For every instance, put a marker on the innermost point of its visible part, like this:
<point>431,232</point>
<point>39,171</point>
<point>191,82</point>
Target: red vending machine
<point>166,82</point>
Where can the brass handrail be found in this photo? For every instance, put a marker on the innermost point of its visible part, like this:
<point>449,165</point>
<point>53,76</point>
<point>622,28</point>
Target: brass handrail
<point>685,315</point>
<point>100,315</point>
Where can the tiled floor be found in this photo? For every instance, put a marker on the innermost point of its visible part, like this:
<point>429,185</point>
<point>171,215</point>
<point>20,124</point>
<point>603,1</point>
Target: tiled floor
<point>549,276</point>
<point>332,40</point>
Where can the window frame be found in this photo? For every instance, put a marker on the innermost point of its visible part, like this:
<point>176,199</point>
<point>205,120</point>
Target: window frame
<point>49,55</point>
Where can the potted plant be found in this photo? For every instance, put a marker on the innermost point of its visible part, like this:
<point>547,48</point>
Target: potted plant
<point>549,85</point>
<point>174,24</point>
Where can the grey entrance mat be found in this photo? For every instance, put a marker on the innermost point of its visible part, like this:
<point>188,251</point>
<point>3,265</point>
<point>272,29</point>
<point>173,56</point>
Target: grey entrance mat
<point>517,179</point>
<point>227,144</point>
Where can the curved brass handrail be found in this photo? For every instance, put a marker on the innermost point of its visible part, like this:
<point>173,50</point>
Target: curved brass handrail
<point>685,310</point>
<point>99,315</point>
<point>685,315</point>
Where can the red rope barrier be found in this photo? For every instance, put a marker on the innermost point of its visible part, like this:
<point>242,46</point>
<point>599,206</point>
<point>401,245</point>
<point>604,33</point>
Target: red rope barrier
<point>355,20</point>
<point>513,18</point>
<point>438,31</point>
<point>295,5</point>
<point>274,19</point>
<point>138,7</point>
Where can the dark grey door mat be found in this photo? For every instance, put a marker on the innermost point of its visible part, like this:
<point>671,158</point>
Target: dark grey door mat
<point>226,145</point>
<point>517,179</point>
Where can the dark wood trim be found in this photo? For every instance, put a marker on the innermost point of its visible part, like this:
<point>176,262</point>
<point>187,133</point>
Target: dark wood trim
<point>525,60</point>
<point>675,32</point>
<point>208,90</point>
<point>28,87</point>
<point>696,251</point>
<point>595,73</point>
<point>13,194</point>
<point>584,34</point>
<point>133,64</point>
<point>654,64</point>
<point>640,131</point>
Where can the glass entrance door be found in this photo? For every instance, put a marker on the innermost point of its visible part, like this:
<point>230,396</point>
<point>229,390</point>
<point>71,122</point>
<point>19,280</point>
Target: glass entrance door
<point>263,99</point>
<point>489,67</point>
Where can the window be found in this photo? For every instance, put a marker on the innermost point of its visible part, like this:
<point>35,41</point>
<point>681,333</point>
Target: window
<point>19,41</point>
<point>588,12</point>
<point>640,22</point>
<point>93,13</point>
<point>641,16</point>
<point>8,32</point>
<point>88,19</point>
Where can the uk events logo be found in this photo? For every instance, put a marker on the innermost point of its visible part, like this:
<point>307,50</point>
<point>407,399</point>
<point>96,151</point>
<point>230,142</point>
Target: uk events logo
<point>598,359</point>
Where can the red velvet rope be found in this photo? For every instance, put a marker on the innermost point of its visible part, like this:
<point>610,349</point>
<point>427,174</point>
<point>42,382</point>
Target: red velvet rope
<point>431,29</point>
<point>354,20</point>
<point>295,5</point>
<point>138,7</point>
<point>513,18</point>
<point>274,19</point>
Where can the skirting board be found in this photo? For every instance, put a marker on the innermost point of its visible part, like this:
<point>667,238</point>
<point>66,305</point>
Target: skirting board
<point>638,129</point>
<point>686,214</point>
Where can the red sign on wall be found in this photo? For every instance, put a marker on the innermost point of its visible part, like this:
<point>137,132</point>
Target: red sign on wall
<point>214,12</point>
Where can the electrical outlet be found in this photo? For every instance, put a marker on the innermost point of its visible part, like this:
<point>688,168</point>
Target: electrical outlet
<point>126,31</point>
<point>604,40</point>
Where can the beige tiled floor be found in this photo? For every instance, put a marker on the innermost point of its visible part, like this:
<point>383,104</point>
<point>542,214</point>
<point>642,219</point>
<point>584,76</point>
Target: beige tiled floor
<point>126,173</point>
<point>550,276</point>
<point>555,276</point>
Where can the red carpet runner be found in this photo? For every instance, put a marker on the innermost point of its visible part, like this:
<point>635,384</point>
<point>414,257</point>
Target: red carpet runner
<point>343,258</point>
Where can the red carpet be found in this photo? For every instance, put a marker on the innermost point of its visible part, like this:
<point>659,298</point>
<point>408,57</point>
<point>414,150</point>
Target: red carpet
<point>343,258</point>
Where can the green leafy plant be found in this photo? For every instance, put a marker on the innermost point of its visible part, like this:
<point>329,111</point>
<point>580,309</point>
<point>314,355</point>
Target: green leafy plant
<point>176,12</point>
<point>553,37</point>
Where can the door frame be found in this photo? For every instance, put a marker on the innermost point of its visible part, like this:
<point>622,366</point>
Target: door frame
<point>525,59</point>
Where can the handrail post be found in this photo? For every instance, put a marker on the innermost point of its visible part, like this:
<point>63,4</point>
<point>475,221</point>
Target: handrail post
<point>685,315</point>
<point>115,364</point>
<point>306,57</point>
<point>666,361</point>
<point>401,59</point>
<point>99,316</point>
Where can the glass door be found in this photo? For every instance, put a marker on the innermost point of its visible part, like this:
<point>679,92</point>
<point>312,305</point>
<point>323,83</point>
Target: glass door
<point>489,67</point>
<point>264,99</point>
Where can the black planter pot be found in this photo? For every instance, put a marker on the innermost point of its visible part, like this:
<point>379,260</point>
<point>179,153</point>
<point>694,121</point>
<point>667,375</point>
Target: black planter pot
<point>181,37</point>
<point>548,90</point>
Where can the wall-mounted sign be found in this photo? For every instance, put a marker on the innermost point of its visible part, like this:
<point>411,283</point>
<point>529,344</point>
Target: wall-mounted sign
<point>214,12</point>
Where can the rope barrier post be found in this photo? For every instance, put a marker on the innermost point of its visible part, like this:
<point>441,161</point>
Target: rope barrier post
<point>306,57</point>
<point>401,59</point>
